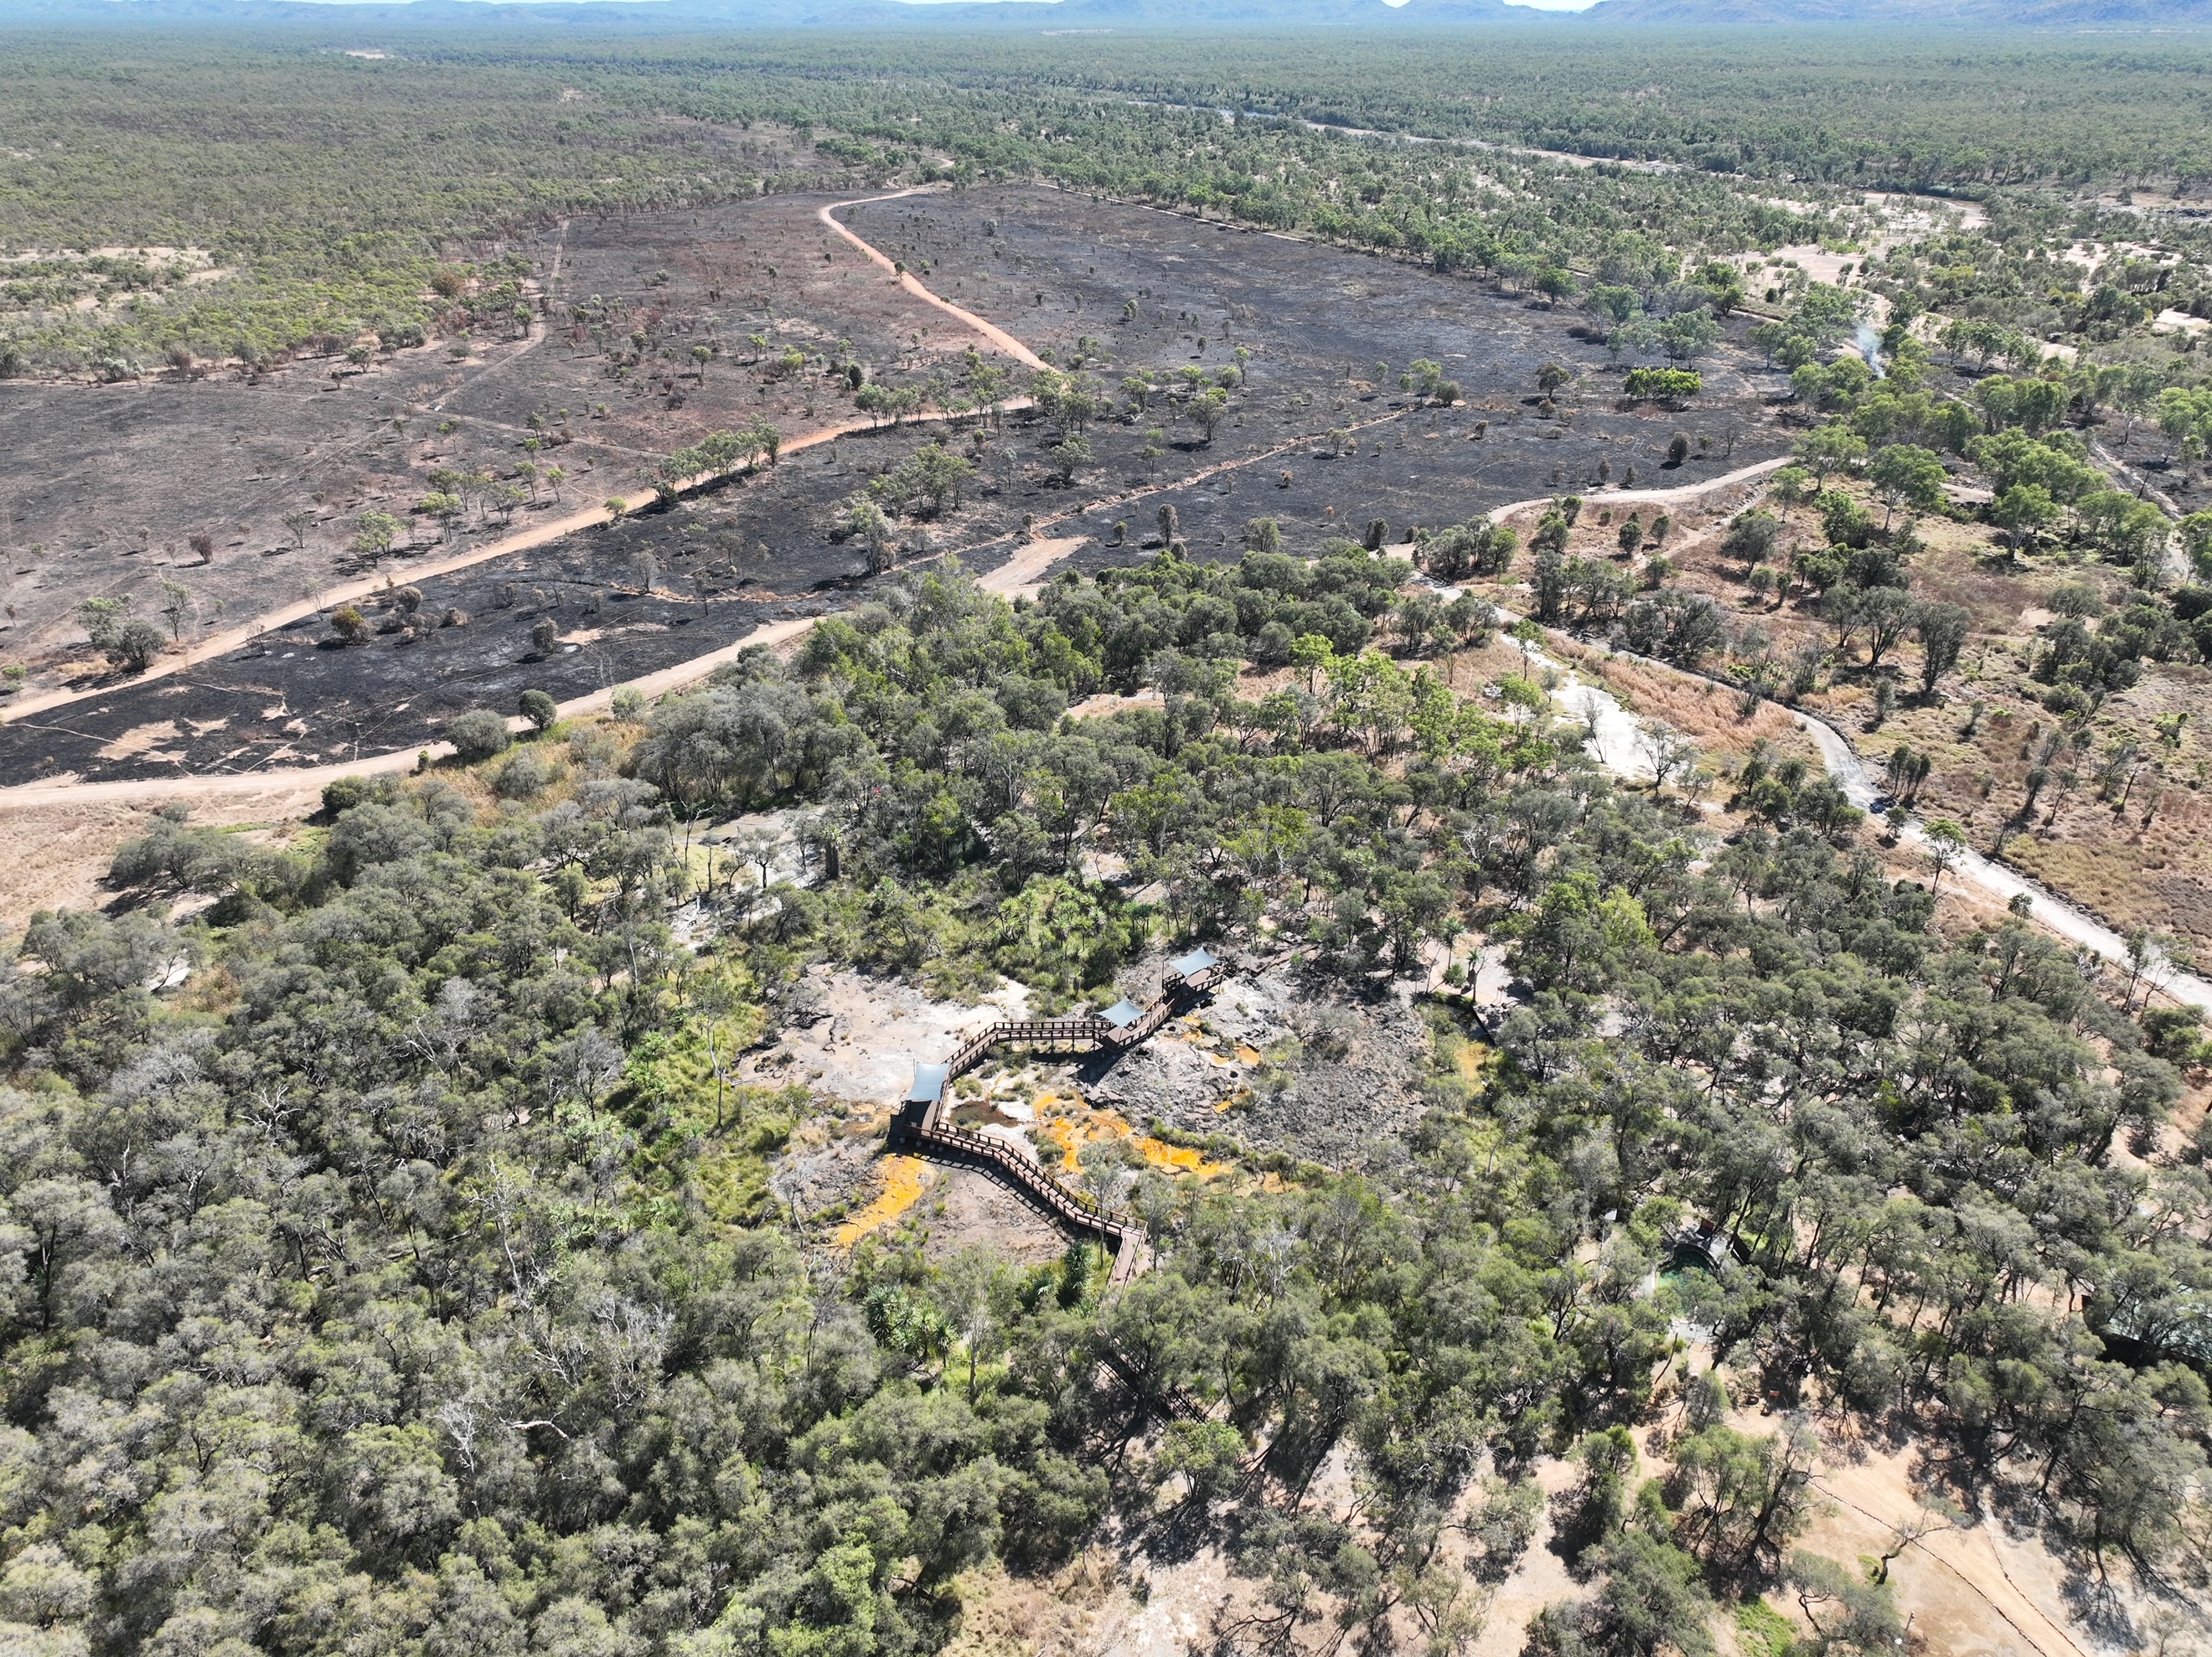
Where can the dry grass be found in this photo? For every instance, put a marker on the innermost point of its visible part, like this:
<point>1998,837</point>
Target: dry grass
<point>1002,1615</point>
<point>1701,710</point>
<point>58,855</point>
<point>2149,866</point>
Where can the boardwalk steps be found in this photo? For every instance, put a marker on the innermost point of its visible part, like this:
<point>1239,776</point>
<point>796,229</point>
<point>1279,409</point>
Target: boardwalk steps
<point>922,1127</point>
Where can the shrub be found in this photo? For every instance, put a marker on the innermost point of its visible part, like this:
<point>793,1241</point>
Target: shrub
<point>345,793</point>
<point>127,641</point>
<point>527,774</point>
<point>477,735</point>
<point>540,709</point>
<point>1663,385</point>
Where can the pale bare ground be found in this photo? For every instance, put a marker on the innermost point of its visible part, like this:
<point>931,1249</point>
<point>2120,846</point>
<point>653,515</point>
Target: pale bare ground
<point>1978,1591</point>
<point>1538,1580</point>
<point>1177,1614</point>
<point>1657,497</point>
<point>58,853</point>
<point>964,1208</point>
<point>1975,1591</point>
<point>876,1030</point>
<point>1021,576</point>
<point>1107,703</point>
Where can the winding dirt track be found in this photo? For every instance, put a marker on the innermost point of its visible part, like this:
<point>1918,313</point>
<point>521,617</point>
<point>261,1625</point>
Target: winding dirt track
<point>536,536</point>
<point>1979,1569</point>
<point>1021,575</point>
<point>1656,497</point>
<point>64,790</point>
<point>997,337</point>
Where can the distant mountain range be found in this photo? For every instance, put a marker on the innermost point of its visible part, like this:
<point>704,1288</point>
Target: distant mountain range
<point>667,15</point>
<point>1994,13</point>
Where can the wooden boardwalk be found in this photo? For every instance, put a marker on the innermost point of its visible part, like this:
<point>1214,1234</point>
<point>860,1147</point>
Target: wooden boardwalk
<point>930,1131</point>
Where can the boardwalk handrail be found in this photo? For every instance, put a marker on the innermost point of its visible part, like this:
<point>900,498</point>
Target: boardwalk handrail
<point>930,1134</point>
<point>1087,1032</point>
<point>933,1133</point>
<point>1034,1182</point>
<point>1091,1031</point>
<point>1055,1198</point>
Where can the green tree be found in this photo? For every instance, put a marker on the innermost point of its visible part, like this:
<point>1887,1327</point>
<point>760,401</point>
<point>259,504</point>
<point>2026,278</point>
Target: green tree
<point>477,735</point>
<point>1792,487</point>
<point>445,508</point>
<point>128,642</point>
<point>1947,845</point>
<point>176,608</point>
<point>1942,629</point>
<point>1670,386</point>
<point>1314,655</point>
<point>540,709</point>
<point>1740,1499</point>
<point>1905,476</point>
<point>373,533</point>
<point>1650,1601</point>
<point>1751,539</point>
<point>865,521</point>
<point>1834,447</point>
<point>1070,456</point>
<point>1845,1612</point>
<point>2023,511</point>
<point>1208,410</point>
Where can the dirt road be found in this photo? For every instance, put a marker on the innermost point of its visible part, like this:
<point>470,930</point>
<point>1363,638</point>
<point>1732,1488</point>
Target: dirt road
<point>997,335</point>
<point>1656,497</point>
<point>538,534</point>
<point>1023,574</point>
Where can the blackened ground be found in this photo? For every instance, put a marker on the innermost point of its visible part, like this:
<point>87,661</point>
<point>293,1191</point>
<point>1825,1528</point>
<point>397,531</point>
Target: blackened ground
<point>1052,268</point>
<point>1315,319</point>
<point>102,485</point>
<point>720,565</point>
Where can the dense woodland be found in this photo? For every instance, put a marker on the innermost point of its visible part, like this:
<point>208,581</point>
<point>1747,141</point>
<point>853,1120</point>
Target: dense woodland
<point>402,1279</point>
<point>330,187</point>
<point>387,1263</point>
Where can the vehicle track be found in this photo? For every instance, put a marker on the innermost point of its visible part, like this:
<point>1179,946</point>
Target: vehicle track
<point>998,336</point>
<point>2067,919</point>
